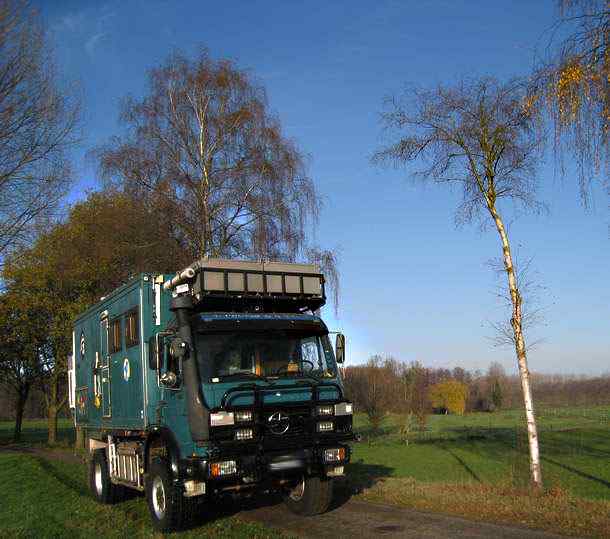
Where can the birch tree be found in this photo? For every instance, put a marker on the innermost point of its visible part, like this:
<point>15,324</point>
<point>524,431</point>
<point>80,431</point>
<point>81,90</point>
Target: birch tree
<point>484,138</point>
<point>203,146</point>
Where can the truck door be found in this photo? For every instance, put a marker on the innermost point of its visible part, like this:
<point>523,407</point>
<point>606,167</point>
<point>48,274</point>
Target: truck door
<point>104,369</point>
<point>130,379</point>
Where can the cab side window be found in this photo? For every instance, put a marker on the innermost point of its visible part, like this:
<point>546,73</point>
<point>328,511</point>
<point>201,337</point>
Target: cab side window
<point>132,336</point>
<point>114,335</point>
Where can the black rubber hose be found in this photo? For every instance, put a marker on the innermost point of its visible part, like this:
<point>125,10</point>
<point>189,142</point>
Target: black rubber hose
<point>197,412</point>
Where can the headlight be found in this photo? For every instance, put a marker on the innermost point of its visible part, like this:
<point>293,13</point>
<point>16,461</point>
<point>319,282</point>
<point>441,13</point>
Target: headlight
<point>244,434</point>
<point>344,408</point>
<point>326,409</point>
<point>334,455</point>
<point>220,419</point>
<point>325,426</point>
<point>243,416</point>
<point>227,467</point>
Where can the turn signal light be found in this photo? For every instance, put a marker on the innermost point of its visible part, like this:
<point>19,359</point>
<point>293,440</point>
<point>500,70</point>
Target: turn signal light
<point>219,469</point>
<point>334,454</point>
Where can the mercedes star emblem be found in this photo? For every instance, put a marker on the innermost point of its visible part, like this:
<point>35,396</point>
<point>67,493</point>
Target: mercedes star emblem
<point>279,423</point>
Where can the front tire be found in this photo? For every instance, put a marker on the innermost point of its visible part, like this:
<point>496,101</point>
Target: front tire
<point>310,496</point>
<point>169,509</point>
<point>103,490</point>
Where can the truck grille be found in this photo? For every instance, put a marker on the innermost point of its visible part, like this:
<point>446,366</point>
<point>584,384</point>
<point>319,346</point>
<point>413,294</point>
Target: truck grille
<point>284,424</point>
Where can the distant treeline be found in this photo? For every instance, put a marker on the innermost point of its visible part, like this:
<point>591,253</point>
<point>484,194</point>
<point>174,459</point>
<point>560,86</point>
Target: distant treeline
<point>386,385</point>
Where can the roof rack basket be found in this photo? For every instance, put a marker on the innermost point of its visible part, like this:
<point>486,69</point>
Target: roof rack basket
<point>234,285</point>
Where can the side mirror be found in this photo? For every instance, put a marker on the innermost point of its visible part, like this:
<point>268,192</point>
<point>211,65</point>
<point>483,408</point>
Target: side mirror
<point>340,348</point>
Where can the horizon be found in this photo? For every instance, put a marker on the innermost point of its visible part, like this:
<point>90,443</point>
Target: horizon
<point>326,75</point>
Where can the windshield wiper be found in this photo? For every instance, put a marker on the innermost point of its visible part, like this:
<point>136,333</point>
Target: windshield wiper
<point>244,375</point>
<point>299,374</point>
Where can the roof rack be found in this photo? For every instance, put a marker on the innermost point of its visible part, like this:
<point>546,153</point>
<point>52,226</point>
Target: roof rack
<point>235,285</point>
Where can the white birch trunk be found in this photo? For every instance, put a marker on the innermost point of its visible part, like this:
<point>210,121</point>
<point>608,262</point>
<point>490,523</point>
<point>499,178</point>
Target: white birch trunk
<point>516,323</point>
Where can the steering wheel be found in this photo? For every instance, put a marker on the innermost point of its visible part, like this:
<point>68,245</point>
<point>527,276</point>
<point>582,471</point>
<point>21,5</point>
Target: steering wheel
<point>303,361</point>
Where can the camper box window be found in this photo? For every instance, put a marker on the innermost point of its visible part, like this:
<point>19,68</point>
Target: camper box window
<point>114,335</point>
<point>132,336</point>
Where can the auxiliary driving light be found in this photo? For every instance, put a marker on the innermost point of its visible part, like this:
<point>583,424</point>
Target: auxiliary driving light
<point>326,409</point>
<point>243,416</point>
<point>244,434</point>
<point>334,455</point>
<point>226,467</point>
<point>325,426</point>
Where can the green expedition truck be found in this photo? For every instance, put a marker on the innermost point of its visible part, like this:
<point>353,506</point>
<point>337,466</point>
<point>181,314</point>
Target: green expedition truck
<point>220,379</point>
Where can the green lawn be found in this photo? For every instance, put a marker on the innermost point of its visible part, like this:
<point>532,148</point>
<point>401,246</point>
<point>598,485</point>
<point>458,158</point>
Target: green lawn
<point>474,466</point>
<point>49,498</point>
<point>34,432</point>
<point>492,448</point>
<point>478,447</point>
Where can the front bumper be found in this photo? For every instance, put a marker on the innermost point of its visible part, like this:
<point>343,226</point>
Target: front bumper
<point>273,467</point>
<point>286,439</point>
<point>262,470</point>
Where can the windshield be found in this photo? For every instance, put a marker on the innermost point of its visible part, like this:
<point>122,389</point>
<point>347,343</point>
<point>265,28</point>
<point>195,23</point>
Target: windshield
<point>247,355</point>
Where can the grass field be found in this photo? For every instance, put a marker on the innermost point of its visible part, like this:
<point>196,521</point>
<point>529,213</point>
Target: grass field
<point>34,432</point>
<point>477,466</point>
<point>492,448</point>
<point>474,466</point>
<point>49,498</point>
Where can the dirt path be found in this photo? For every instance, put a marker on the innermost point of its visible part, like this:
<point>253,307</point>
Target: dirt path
<point>351,518</point>
<point>64,455</point>
<point>364,519</point>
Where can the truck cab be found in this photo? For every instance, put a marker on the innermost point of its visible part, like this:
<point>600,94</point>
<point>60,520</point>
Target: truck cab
<point>220,379</point>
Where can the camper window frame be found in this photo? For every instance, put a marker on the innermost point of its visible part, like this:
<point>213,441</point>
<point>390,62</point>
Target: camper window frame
<point>111,341</point>
<point>129,342</point>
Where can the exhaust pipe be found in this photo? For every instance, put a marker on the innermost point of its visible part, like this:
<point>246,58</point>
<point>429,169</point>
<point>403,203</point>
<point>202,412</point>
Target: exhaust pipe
<point>197,412</point>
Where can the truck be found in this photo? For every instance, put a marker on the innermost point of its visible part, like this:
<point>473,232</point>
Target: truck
<point>217,380</point>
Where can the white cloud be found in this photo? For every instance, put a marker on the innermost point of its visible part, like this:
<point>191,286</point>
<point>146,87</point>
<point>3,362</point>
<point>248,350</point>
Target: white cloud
<point>69,22</point>
<point>92,42</point>
<point>89,26</point>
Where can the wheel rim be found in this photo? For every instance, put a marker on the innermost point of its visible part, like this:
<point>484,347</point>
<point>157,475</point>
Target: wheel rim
<point>296,493</point>
<point>158,497</point>
<point>99,485</point>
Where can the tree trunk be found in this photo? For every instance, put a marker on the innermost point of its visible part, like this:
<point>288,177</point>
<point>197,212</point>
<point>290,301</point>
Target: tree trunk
<point>52,425</point>
<point>516,323</point>
<point>22,397</point>
<point>79,442</point>
<point>52,410</point>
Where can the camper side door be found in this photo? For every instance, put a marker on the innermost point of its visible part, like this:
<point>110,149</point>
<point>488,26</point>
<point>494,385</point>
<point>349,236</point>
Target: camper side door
<point>104,369</point>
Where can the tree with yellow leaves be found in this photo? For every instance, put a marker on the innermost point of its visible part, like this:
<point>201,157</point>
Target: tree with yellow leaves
<point>449,395</point>
<point>573,83</point>
<point>104,241</point>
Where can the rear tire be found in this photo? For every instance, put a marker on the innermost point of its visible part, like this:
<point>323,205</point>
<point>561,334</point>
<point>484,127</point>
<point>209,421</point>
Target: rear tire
<point>310,496</point>
<point>103,490</point>
<point>169,509</point>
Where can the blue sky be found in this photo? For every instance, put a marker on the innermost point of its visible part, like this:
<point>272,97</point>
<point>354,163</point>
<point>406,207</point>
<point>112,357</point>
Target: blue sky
<point>327,67</point>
